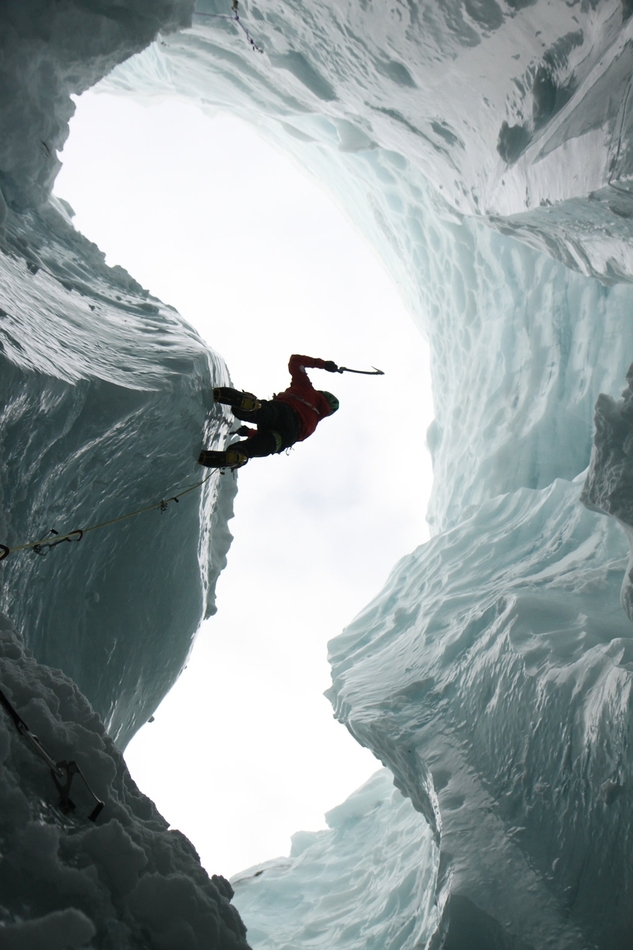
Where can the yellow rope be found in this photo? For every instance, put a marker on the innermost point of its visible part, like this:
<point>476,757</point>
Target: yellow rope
<point>102,524</point>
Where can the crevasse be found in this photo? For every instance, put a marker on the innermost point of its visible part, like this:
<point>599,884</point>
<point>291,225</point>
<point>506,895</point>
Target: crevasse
<point>492,674</point>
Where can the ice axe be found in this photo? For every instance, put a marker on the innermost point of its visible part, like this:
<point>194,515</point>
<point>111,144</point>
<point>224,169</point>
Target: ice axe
<point>366,372</point>
<point>62,772</point>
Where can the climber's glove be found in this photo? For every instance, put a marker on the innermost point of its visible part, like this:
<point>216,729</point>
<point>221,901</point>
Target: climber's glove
<point>331,366</point>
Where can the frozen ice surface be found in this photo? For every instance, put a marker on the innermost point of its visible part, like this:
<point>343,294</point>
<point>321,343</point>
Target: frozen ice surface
<point>609,484</point>
<point>517,112</point>
<point>493,673</point>
<point>493,676</point>
<point>121,883</point>
<point>531,340</point>
<point>105,394</point>
<point>368,881</point>
<point>48,50</point>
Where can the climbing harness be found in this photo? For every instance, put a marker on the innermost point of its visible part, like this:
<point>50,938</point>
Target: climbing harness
<point>236,19</point>
<point>43,545</point>
<point>62,772</point>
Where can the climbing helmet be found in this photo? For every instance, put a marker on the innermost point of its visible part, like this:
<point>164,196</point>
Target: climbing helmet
<point>332,400</point>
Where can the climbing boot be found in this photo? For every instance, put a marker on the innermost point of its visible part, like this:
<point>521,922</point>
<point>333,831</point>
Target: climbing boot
<point>231,458</point>
<point>247,402</point>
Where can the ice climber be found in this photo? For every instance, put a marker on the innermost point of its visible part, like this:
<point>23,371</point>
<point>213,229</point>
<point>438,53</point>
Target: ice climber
<point>289,417</point>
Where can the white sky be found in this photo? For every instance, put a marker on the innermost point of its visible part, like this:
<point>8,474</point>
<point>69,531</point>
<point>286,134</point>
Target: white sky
<point>244,751</point>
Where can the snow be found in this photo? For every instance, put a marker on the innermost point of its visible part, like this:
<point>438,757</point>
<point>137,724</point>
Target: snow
<point>492,675</point>
<point>124,881</point>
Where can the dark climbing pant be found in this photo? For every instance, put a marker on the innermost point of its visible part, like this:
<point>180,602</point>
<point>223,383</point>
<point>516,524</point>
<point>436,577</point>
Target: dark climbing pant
<point>278,427</point>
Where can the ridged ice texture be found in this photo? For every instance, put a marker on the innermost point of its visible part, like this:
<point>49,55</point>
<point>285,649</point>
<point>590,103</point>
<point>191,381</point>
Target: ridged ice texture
<point>518,112</point>
<point>368,881</point>
<point>608,487</point>
<point>531,342</point>
<point>492,675</point>
<point>497,662</point>
<point>123,883</point>
<point>48,50</point>
<point>105,398</point>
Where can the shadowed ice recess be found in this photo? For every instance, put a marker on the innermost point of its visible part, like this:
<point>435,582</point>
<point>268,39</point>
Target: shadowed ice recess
<point>493,673</point>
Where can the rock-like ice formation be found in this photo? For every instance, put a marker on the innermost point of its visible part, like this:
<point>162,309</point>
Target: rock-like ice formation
<point>516,111</point>
<point>50,49</point>
<point>104,395</point>
<point>493,676</point>
<point>609,484</point>
<point>124,882</point>
<point>368,881</point>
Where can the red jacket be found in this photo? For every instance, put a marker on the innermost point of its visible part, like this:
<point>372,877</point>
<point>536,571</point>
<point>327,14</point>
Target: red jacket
<point>306,401</point>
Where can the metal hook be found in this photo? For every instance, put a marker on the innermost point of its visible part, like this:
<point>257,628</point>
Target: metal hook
<point>44,546</point>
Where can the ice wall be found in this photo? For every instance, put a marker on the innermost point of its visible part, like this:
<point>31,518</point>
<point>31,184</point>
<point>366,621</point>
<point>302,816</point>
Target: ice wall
<point>48,50</point>
<point>533,340</point>
<point>608,487</point>
<point>65,882</point>
<point>328,893</point>
<point>105,395</point>
<point>518,112</point>
<point>493,673</point>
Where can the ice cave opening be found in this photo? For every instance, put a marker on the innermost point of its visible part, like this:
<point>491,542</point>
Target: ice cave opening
<point>212,219</point>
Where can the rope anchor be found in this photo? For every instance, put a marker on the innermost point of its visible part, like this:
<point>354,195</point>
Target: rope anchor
<point>62,772</point>
<point>53,538</point>
<point>43,547</point>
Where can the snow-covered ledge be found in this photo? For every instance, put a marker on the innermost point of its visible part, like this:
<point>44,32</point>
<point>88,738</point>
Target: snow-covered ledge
<point>125,881</point>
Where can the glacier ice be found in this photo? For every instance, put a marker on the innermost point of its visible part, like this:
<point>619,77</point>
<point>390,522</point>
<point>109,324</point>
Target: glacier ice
<point>472,292</point>
<point>105,393</point>
<point>49,50</point>
<point>516,112</point>
<point>493,673</point>
<point>608,486</point>
<point>328,893</point>
<point>503,708</point>
<point>123,882</point>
